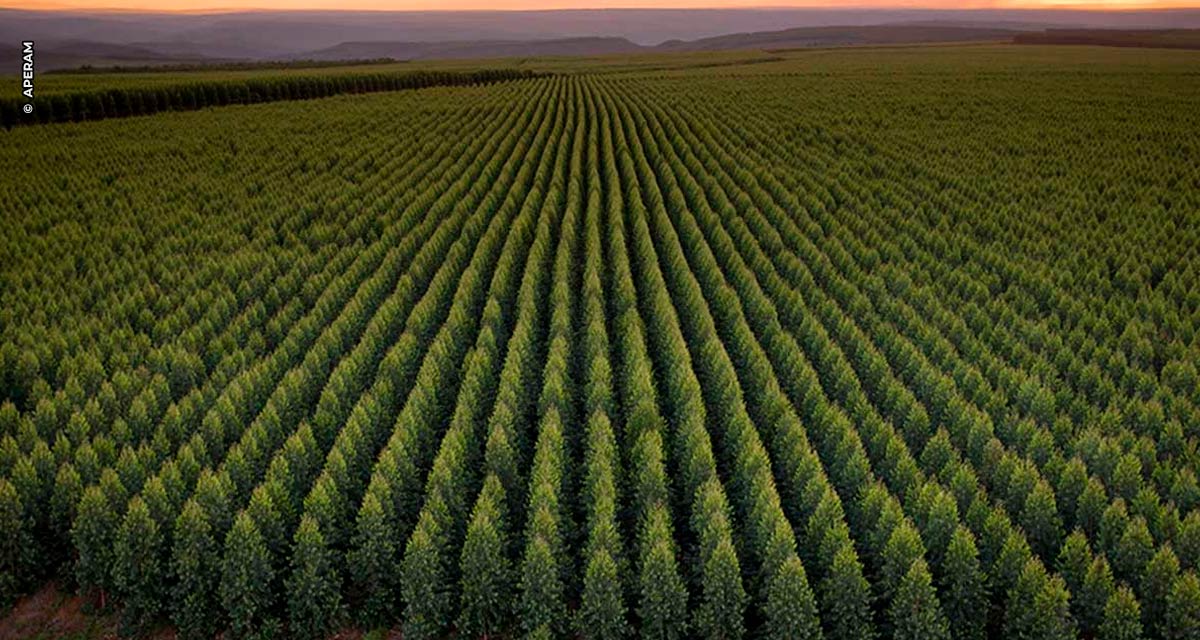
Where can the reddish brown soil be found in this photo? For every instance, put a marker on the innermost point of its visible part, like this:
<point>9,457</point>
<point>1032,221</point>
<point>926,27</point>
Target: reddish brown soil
<point>50,613</point>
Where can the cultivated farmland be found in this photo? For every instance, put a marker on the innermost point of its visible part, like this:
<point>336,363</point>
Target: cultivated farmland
<point>882,343</point>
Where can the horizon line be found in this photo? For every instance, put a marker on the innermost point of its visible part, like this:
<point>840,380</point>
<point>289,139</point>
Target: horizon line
<point>1062,5</point>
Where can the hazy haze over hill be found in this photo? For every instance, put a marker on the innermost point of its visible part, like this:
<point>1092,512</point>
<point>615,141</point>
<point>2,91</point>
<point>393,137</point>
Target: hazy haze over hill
<point>69,38</point>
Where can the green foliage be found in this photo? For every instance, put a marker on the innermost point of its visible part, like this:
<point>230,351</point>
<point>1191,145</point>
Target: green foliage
<point>1188,540</point>
<point>196,565</point>
<point>722,612</point>
<point>64,504</point>
<point>541,605</point>
<point>427,610</point>
<point>903,550</point>
<point>1134,549</point>
<point>1041,520</point>
<point>246,577</point>
<point>914,612</point>
<point>190,95</point>
<point>11,536</point>
<point>314,589</point>
<point>1092,597</point>
<point>963,588</point>
<point>138,572</point>
<point>93,533</point>
<point>1122,617</point>
<point>610,354</point>
<point>370,561</point>
<point>791,610</point>
<point>663,599</point>
<point>1037,607</point>
<point>487,577</point>
<point>1182,618</point>
<point>1074,560</point>
<point>846,603</point>
<point>1155,588</point>
<point>601,610</point>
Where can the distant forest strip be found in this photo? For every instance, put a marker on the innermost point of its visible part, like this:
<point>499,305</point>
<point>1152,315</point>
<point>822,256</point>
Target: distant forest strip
<point>1155,38</point>
<point>222,66</point>
<point>135,101</point>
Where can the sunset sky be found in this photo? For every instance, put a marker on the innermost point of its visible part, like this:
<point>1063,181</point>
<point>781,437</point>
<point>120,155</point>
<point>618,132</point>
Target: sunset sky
<point>433,5</point>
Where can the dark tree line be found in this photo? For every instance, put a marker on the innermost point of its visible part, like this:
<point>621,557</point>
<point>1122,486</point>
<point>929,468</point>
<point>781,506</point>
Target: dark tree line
<point>139,101</point>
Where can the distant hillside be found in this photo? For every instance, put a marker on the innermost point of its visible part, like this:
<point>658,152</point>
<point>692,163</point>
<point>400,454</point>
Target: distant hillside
<point>76,53</point>
<point>783,39</point>
<point>263,35</point>
<point>843,35</point>
<point>235,44</point>
<point>480,49</point>
<point>72,54</point>
<point>1159,38</point>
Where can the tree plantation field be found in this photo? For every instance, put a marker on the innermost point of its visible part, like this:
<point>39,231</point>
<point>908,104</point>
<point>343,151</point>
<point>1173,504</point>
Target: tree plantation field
<point>849,344</point>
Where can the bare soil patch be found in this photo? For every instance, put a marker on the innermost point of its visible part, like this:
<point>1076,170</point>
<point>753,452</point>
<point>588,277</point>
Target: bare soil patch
<point>52,613</point>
